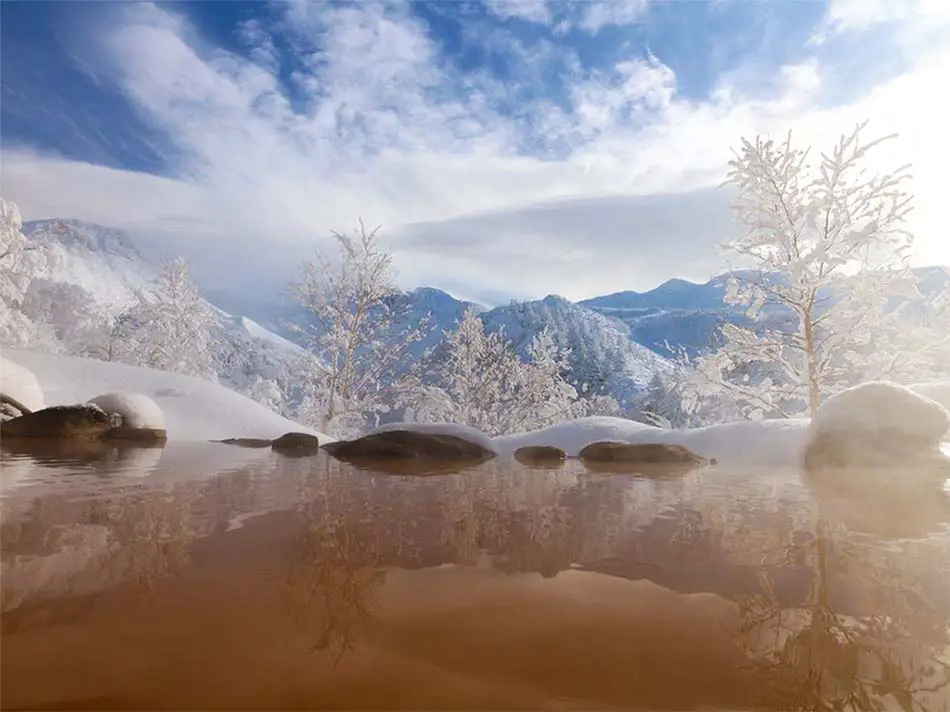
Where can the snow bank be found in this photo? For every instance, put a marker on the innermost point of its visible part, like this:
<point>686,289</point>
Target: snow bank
<point>464,432</point>
<point>193,409</point>
<point>21,384</point>
<point>878,406</point>
<point>137,410</point>
<point>938,391</point>
<point>767,443</point>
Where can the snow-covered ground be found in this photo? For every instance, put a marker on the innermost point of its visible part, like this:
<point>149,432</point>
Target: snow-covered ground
<point>257,331</point>
<point>194,409</point>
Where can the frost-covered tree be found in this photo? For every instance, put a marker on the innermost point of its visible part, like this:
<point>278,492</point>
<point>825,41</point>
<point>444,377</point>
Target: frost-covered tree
<point>15,327</point>
<point>71,314</point>
<point>268,393</point>
<point>171,328</point>
<point>359,335</point>
<point>480,381</point>
<point>827,242</point>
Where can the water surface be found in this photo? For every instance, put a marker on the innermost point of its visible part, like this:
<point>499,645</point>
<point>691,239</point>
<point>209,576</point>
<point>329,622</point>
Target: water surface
<point>209,577</point>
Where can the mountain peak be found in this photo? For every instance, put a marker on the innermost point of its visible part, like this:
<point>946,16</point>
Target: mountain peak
<point>73,233</point>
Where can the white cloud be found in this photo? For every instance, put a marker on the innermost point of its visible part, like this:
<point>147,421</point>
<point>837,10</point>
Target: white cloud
<point>530,10</point>
<point>605,13</point>
<point>382,128</point>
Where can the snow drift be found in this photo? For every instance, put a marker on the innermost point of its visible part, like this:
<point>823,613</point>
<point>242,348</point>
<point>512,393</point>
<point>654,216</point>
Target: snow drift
<point>193,409</point>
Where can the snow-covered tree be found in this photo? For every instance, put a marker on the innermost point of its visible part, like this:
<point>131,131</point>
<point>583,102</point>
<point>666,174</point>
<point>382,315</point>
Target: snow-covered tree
<point>480,381</point>
<point>14,325</point>
<point>267,392</point>
<point>828,245</point>
<point>661,403</point>
<point>72,316</point>
<point>358,336</point>
<point>171,328</point>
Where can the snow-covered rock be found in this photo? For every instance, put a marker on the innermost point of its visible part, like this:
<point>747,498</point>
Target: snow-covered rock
<point>21,384</point>
<point>137,410</point>
<point>193,409</point>
<point>938,391</point>
<point>880,407</point>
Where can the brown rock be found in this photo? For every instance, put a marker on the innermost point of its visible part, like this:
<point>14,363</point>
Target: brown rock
<point>247,442</point>
<point>296,445</point>
<point>645,458</point>
<point>410,452</point>
<point>540,456</point>
<point>883,449</point>
<point>65,421</point>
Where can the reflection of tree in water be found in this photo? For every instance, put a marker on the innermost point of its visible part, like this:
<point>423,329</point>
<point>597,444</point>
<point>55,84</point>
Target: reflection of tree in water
<point>889,654</point>
<point>335,571</point>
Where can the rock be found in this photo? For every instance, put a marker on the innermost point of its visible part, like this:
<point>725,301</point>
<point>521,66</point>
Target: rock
<point>880,408</point>
<point>138,436</point>
<point>247,442</point>
<point>296,445</point>
<point>63,421</point>
<point>410,452</point>
<point>137,410</point>
<point>883,427</point>
<point>644,458</point>
<point>908,457</point>
<point>540,456</point>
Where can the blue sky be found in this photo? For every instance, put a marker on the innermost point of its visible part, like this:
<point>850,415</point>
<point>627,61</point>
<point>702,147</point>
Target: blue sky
<point>508,147</point>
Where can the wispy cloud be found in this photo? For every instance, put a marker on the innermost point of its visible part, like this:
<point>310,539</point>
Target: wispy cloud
<point>532,170</point>
<point>530,10</point>
<point>598,14</point>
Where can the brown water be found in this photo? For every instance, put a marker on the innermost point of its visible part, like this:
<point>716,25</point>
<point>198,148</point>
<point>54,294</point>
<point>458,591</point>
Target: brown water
<point>207,577</point>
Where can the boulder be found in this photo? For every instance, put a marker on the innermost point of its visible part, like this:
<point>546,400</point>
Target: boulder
<point>881,408</point>
<point>73,422</point>
<point>540,456</point>
<point>879,426</point>
<point>247,442</point>
<point>644,458</point>
<point>410,452</point>
<point>296,445</point>
<point>137,410</point>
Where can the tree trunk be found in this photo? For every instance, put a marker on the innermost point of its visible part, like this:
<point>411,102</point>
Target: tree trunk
<point>811,359</point>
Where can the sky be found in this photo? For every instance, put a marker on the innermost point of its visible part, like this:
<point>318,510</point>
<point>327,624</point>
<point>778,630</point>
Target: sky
<point>507,148</point>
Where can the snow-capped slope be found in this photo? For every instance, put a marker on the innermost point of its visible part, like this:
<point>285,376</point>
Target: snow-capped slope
<point>256,331</point>
<point>101,260</point>
<point>194,409</point>
<point>602,354</point>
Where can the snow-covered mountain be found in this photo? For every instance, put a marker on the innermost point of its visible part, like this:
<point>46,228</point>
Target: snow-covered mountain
<point>602,354</point>
<point>617,341</point>
<point>101,260</point>
<point>104,262</point>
